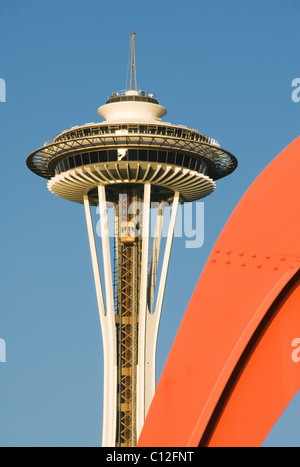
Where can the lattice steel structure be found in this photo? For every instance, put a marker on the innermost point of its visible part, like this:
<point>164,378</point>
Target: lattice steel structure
<point>131,157</point>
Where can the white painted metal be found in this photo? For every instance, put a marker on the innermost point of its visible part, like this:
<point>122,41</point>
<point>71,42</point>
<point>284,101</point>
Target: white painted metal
<point>143,310</point>
<point>109,343</point>
<point>111,347</point>
<point>155,252</point>
<point>94,256</point>
<point>153,319</point>
<point>165,266</point>
<point>73,184</point>
<point>132,112</point>
<point>106,251</point>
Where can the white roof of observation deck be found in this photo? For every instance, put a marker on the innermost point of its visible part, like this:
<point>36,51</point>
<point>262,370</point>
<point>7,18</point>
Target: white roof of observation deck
<point>130,109</point>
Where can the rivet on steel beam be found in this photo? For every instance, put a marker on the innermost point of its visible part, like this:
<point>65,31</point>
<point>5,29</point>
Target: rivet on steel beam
<point>243,263</point>
<point>228,261</point>
<point>253,255</point>
<point>228,252</point>
<point>267,256</point>
<point>259,265</point>
<point>282,258</point>
<point>275,267</point>
<point>213,260</point>
<point>217,250</point>
<point>241,253</point>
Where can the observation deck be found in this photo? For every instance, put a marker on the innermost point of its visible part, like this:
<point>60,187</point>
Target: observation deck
<point>170,157</point>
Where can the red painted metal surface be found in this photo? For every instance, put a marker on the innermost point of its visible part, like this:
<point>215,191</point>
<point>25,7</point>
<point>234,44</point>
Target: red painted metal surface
<point>267,379</point>
<point>230,372</point>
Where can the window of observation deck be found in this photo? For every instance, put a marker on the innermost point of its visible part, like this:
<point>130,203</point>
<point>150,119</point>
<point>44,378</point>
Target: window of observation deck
<point>137,155</point>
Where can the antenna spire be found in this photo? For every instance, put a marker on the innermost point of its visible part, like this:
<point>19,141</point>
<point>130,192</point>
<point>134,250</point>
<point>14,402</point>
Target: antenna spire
<point>133,67</point>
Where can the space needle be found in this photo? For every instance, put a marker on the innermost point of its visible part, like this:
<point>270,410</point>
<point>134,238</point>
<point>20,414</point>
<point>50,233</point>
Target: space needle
<point>131,158</point>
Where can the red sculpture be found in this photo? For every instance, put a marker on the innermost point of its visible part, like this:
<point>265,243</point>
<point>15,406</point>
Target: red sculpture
<point>235,363</point>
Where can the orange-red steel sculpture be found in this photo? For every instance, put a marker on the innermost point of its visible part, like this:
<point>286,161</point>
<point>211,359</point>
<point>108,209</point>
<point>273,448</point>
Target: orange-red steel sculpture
<point>231,372</point>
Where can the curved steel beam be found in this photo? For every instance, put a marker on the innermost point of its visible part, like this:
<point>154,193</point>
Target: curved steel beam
<point>265,379</point>
<point>246,287</point>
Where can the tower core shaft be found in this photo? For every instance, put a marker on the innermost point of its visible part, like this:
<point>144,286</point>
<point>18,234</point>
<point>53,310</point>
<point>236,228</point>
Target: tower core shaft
<point>127,249</point>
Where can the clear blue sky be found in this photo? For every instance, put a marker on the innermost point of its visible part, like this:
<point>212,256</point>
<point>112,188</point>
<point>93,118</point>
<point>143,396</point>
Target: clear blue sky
<point>224,67</point>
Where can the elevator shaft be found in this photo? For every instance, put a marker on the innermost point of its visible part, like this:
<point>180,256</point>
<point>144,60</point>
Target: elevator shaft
<point>127,320</point>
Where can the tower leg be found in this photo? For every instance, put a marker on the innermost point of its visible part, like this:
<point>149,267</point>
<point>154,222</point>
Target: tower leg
<point>153,319</point>
<point>155,253</point>
<point>110,331</point>
<point>143,309</point>
<point>107,321</point>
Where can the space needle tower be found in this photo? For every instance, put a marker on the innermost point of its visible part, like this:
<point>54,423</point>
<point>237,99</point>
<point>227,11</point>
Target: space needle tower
<point>130,159</point>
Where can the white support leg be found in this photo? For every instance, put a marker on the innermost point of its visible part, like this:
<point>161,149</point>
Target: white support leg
<point>155,253</point>
<point>153,319</point>
<point>165,266</point>
<point>94,256</point>
<point>106,252</point>
<point>110,339</point>
<point>143,310</point>
<point>109,385</point>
